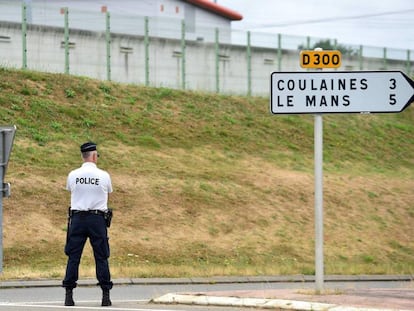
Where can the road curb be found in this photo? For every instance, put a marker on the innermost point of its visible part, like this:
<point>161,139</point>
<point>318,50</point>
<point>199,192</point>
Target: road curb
<point>278,304</point>
<point>209,280</point>
<point>282,304</point>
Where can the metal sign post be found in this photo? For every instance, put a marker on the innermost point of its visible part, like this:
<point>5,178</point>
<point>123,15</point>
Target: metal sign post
<point>320,92</point>
<point>318,150</point>
<point>319,59</point>
<point>6,143</point>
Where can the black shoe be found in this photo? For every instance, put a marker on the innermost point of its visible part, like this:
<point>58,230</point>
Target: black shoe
<point>69,298</point>
<point>106,301</point>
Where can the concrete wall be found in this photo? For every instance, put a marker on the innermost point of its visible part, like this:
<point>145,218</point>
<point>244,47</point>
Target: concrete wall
<point>45,52</point>
<point>127,16</point>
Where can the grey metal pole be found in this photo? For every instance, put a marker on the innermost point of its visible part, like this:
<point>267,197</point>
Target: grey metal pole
<point>318,137</point>
<point>249,65</point>
<point>24,36</point>
<point>146,43</point>
<point>28,5</point>
<point>2,166</point>
<point>318,141</point>
<point>6,143</point>
<point>108,45</point>
<point>66,14</point>
<point>279,52</point>
<point>217,48</point>
<point>183,57</point>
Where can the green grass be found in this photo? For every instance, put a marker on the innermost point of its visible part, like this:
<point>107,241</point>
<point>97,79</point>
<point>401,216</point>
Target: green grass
<point>205,184</point>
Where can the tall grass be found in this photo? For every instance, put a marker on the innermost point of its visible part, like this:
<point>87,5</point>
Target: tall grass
<point>205,184</point>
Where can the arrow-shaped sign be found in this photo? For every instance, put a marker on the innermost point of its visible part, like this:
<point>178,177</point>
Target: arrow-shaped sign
<point>340,92</point>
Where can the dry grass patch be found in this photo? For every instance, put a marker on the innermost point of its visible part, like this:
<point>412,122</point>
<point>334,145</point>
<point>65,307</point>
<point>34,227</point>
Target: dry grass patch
<point>205,184</point>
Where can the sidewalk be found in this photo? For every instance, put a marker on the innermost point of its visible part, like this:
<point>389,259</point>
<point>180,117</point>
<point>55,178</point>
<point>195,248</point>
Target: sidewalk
<point>373,299</point>
<point>299,299</point>
<point>352,299</point>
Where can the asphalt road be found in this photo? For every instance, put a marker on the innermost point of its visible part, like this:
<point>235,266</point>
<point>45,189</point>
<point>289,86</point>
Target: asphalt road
<point>49,296</point>
<point>124,297</point>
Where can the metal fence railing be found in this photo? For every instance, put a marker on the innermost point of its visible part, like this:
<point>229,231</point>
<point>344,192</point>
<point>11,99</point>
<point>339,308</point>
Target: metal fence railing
<point>227,59</point>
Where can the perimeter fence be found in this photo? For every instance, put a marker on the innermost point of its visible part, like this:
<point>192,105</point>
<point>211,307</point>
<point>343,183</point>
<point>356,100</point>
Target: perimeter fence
<point>164,52</point>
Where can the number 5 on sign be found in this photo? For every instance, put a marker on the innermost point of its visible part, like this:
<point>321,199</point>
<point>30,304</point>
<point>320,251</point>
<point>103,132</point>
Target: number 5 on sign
<point>393,86</point>
<point>320,59</point>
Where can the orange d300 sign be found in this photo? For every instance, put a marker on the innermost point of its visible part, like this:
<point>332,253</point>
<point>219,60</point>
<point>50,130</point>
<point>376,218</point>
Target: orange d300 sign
<point>320,59</point>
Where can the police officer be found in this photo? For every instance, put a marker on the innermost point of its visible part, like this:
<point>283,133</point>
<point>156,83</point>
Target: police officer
<point>89,187</point>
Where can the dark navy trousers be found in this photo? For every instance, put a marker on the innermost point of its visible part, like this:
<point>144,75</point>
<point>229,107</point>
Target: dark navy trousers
<point>83,226</point>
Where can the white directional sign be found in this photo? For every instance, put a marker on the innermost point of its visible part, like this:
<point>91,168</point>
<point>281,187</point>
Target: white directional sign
<point>340,92</point>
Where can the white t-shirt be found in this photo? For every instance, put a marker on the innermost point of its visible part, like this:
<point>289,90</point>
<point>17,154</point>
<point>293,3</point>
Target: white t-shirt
<point>89,187</point>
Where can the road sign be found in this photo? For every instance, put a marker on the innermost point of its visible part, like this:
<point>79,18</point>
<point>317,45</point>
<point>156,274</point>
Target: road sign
<point>320,59</point>
<point>340,92</point>
<point>6,143</point>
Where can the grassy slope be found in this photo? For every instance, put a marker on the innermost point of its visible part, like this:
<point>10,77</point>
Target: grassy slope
<point>205,184</point>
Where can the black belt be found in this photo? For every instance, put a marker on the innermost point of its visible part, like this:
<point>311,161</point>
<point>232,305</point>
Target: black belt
<point>94,211</point>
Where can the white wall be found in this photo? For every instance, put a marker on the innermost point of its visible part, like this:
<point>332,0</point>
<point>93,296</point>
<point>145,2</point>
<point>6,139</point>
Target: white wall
<point>88,58</point>
<point>127,16</point>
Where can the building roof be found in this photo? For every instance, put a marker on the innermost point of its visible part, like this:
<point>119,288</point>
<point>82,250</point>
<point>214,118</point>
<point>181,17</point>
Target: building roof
<point>217,9</point>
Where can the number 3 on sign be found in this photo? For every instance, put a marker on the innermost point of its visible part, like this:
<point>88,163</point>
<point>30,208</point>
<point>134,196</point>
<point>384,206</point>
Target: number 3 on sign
<point>393,86</point>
